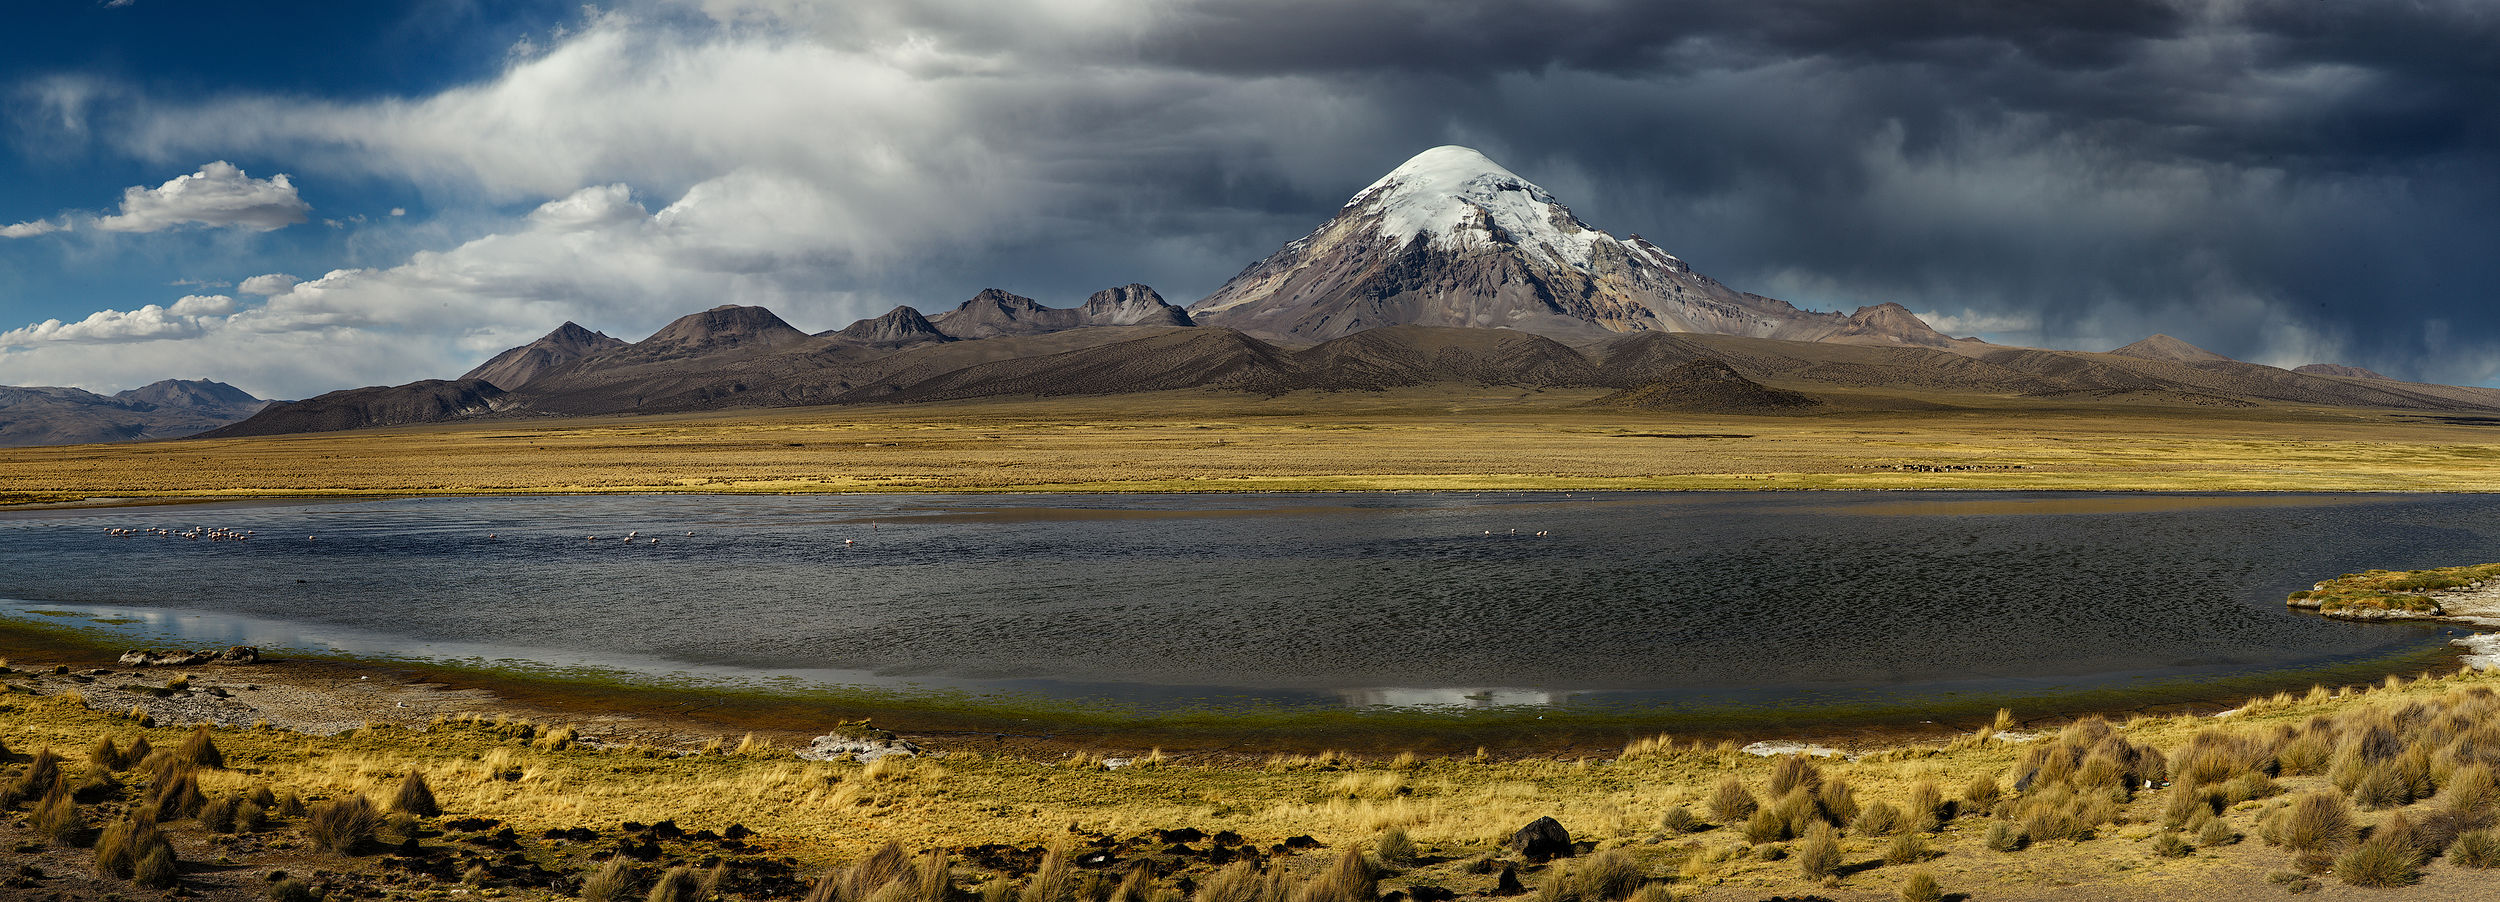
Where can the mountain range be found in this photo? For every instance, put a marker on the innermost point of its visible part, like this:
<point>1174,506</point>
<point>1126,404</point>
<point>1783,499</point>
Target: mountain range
<point>48,415</point>
<point>1449,269</point>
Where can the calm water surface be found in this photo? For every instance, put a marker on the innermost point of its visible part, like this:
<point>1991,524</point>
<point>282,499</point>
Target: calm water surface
<point>1425,598</point>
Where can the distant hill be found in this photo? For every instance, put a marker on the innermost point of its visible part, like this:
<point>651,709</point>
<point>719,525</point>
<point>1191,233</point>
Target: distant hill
<point>515,368</point>
<point>173,408</point>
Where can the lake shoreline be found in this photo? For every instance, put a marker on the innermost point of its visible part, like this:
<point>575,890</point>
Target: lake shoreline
<point>330,693</point>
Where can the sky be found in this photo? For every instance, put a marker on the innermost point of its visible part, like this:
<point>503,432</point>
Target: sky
<point>295,197</point>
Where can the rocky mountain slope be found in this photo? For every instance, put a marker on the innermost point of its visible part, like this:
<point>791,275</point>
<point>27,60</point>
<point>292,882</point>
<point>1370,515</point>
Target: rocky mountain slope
<point>1451,238</point>
<point>46,415</point>
<point>516,367</point>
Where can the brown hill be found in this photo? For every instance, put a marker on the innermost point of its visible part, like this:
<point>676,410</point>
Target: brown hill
<point>901,325</point>
<point>516,367</point>
<point>1418,355</point>
<point>1166,359</point>
<point>1704,385</point>
<point>2164,347</point>
<point>430,401</point>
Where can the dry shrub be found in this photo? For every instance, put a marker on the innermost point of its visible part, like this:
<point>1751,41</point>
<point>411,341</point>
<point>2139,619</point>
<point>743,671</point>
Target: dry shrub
<point>1878,819</point>
<point>415,797</point>
<point>219,815</point>
<point>1907,848</point>
<point>889,864</point>
<point>1766,826</point>
<point>1350,879</point>
<point>1237,882</point>
<point>1608,876</point>
<point>1678,819</point>
<point>2386,859</point>
<point>1982,792</point>
<point>679,884</point>
<point>2477,849</point>
<point>157,869</point>
<point>2170,845</point>
<point>1790,773</point>
<point>343,825</point>
<point>200,750</point>
<point>1928,810</point>
<point>57,819</point>
<point>612,882</point>
<point>105,756</point>
<point>1398,849</point>
<point>2314,822</point>
<point>1053,881</point>
<point>1818,857</point>
<point>1921,887</point>
<point>1731,802</point>
<point>124,844</point>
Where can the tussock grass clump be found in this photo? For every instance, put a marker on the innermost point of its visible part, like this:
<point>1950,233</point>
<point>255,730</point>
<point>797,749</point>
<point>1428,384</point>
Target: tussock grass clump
<point>613,882</point>
<point>34,782</point>
<point>1790,773</point>
<point>415,797</point>
<point>680,884</point>
<point>1982,792</point>
<point>126,843</point>
<point>293,890</point>
<point>218,816</point>
<point>250,817</point>
<point>2187,803</point>
<point>175,793</point>
<point>1928,810</point>
<point>157,869</point>
<point>201,750</point>
<point>106,756</point>
<point>1766,826</point>
<point>57,819</point>
<point>343,825</point>
<point>2216,833</point>
<point>1818,857</point>
<point>1878,819</point>
<point>2476,849</point>
<point>2313,822</point>
<point>2386,859</point>
<point>1607,876</point>
<point>1731,802</point>
<point>1053,881</point>
<point>1398,849</point>
<point>1907,848</point>
<point>1921,887</point>
<point>1349,879</point>
<point>1678,819</point>
<point>2171,845</point>
<point>2005,836</point>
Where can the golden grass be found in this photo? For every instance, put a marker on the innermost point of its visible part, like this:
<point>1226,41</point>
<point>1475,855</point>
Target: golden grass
<point>824,812</point>
<point>1210,441</point>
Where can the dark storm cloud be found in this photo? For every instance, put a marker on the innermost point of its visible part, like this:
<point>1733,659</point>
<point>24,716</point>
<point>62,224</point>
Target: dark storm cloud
<point>2286,181</point>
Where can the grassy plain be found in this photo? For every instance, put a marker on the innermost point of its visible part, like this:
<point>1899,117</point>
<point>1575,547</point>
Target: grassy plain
<point>1221,441</point>
<point>2085,826</point>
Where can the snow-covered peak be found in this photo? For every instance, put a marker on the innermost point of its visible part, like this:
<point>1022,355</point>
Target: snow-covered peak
<point>1462,198</point>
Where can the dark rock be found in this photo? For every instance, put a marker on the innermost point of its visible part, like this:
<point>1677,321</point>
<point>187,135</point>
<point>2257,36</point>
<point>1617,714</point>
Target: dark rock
<point>1228,838</point>
<point>1427,893</point>
<point>1299,843</point>
<point>239,654</point>
<point>737,831</point>
<point>1507,884</point>
<point>1182,835</point>
<point>1541,839</point>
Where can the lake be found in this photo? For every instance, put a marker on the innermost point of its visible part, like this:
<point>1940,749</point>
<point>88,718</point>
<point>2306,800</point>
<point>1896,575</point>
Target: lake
<point>1403,599</point>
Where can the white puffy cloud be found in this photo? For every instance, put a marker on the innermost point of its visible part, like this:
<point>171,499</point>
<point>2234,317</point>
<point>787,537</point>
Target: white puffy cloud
<point>187,318</point>
<point>267,284</point>
<point>218,195</point>
<point>32,228</point>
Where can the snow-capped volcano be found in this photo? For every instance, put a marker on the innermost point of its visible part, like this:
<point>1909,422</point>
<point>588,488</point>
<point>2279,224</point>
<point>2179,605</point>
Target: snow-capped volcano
<point>1451,238</point>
